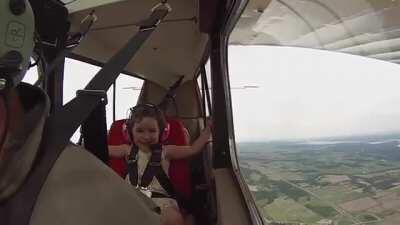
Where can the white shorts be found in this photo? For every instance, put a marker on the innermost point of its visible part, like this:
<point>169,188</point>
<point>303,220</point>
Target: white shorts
<point>165,203</point>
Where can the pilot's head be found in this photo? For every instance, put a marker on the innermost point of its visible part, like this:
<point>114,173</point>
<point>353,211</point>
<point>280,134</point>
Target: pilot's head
<point>16,46</point>
<point>16,41</point>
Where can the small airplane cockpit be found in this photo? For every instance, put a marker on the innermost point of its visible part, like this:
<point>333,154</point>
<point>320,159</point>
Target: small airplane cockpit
<point>169,154</point>
<point>167,44</point>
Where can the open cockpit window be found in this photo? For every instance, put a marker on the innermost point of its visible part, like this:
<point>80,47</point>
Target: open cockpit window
<point>318,135</point>
<point>31,75</point>
<point>319,138</point>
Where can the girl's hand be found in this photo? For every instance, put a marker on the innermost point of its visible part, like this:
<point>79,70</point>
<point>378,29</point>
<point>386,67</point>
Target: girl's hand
<point>127,149</point>
<point>209,122</point>
<point>181,152</point>
<point>119,151</point>
<point>207,132</point>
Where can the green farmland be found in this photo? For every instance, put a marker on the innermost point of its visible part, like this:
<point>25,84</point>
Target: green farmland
<point>356,181</point>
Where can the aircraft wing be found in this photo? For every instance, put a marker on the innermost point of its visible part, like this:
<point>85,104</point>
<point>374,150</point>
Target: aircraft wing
<point>368,28</point>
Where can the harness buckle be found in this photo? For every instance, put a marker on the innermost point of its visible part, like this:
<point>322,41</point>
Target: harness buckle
<point>130,159</point>
<point>50,43</point>
<point>145,190</point>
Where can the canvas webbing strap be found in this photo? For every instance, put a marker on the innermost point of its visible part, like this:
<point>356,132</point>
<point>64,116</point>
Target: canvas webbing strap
<point>94,132</point>
<point>60,127</point>
<point>132,165</point>
<point>154,170</point>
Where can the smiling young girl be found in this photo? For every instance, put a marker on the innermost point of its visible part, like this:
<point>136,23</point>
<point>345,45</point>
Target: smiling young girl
<point>147,127</point>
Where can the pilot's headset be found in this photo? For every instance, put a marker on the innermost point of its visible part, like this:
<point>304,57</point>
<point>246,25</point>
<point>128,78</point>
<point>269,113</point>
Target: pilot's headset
<point>148,109</point>
<point>16,41</point>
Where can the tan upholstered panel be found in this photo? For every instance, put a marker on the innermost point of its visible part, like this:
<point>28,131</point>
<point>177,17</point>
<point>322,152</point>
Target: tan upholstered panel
<point>173,50</point>
<point>231,208</point>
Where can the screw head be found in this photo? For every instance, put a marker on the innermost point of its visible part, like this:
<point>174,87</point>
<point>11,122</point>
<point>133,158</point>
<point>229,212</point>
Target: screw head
<point>17,7</point>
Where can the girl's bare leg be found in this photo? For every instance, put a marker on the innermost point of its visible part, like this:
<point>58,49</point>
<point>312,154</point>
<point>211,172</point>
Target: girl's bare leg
<point>171,216</point>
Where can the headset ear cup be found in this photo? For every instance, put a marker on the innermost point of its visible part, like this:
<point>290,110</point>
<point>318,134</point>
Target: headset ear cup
<point>165,133</point>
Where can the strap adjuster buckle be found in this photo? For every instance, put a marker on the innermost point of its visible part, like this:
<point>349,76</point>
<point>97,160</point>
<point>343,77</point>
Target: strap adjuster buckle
<point>162,4</point>
<point>99,93</point>
<point>145,190</point>
<point>131,159</point>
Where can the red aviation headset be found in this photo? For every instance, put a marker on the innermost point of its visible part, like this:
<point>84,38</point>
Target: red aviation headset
<point>163,124</point>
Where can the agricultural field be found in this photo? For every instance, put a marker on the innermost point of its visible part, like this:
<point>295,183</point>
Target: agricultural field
<point>325,182</point>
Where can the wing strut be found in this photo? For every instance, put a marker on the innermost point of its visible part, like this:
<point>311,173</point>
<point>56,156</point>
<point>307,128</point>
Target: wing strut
<point>58,130</point>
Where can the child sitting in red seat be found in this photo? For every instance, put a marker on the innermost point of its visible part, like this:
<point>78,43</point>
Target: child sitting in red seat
<point>146,126</point>
<point>179,170</point>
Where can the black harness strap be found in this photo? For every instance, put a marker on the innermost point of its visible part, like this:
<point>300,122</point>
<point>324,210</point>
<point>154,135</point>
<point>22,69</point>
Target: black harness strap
<point>94,132</point>
<point>59,127</point>
<point>154,169</point>
<point>132,165</point>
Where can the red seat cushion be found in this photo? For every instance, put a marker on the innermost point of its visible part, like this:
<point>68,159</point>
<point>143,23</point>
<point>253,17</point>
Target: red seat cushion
<point>117,137</point>
<point>179,170</point>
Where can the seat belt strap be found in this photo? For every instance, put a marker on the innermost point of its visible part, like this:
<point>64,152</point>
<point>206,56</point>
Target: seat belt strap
<point>152,166</point>
<point>132,165</point>
<point>58,130</point>
<point>157,171</point>
<point>94,132</point>
<point>154,169</point>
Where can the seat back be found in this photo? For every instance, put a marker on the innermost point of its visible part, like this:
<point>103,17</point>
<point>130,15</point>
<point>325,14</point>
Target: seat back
<point>179,170</point>
<point>116,136</point>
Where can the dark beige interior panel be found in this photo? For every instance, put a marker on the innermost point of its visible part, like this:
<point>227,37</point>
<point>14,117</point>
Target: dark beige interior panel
<point>231,208</point>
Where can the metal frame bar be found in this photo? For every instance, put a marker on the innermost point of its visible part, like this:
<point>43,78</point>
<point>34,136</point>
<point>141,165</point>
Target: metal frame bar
<point>220,106</point>
<point>114,98</point>
<point>55,87</point>
<point>206,90</point>
<point>224,140</point>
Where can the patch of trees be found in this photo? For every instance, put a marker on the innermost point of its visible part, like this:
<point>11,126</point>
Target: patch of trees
<point>324,211</point>
<point>367,218</point>
<point>289,190</point>
<point>270,196</point>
